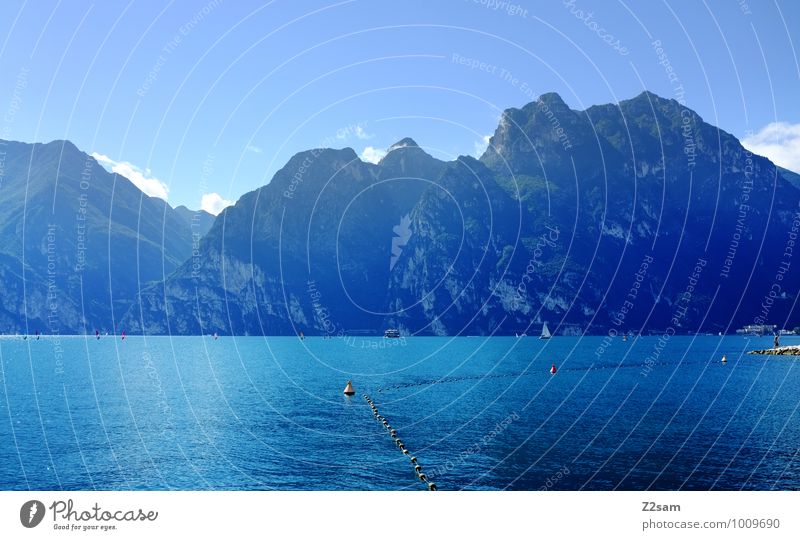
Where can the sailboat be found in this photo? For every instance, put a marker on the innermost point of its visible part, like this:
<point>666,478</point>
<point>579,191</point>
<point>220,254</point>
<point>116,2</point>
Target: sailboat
<point>545,332</point>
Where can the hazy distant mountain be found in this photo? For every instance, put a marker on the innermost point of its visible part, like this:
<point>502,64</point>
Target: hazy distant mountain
<point>77,242</point>
<point>199,221</point>
<point>791,176</point>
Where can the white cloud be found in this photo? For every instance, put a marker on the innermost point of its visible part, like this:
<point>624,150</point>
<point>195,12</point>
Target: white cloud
<point>142,179</point>
<point>213,203</point>
<point>372,155</point>
<point>253,148</point>
<point>482,145</point>
<point>779,141</point>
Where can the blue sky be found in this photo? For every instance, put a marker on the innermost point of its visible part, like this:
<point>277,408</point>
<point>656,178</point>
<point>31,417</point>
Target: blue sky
<point>194,98</point>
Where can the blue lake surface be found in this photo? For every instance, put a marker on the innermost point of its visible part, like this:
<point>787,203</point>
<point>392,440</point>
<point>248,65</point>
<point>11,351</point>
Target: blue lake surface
<point>478,413</point>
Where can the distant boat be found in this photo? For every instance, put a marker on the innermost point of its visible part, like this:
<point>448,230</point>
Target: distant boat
<point>97,334</point>
<point>302,336</point>
<point>624,337</point>
<point>216,337</point>
<point>392,333</point>
<point>123,335</point>
<point>545,332</point>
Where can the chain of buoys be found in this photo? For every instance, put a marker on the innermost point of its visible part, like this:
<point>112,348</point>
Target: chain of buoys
<point>400,444</point>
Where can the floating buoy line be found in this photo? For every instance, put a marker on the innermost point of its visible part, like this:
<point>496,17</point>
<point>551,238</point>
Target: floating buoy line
<point>400,444</point>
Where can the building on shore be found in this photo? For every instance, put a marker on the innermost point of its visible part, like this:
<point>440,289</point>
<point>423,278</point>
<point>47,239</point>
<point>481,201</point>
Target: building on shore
<point>758,329</point>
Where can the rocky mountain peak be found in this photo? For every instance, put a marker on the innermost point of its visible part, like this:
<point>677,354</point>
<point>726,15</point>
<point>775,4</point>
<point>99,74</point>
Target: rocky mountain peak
<point>406,142</point>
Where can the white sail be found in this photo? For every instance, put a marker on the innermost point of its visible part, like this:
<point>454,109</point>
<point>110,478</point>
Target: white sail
<point>545,332</point>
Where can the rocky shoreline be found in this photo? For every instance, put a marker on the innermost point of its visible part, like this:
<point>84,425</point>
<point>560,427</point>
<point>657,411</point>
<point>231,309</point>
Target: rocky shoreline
<point>792,350</point>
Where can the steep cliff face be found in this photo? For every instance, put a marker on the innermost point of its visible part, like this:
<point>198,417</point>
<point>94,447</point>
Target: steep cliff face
<point>312,251</point>
<point>647,183</point>
<point>462,238</point>
<point>77,242</point>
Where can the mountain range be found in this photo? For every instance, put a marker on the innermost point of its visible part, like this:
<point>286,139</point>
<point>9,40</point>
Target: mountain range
<point>630,216</point>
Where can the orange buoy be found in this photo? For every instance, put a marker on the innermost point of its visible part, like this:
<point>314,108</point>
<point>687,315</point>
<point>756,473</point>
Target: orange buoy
<point>553,369</point>
<point>349,390</point>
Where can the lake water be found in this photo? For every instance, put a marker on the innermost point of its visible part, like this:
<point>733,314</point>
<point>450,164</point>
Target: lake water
<point>478,413</point>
